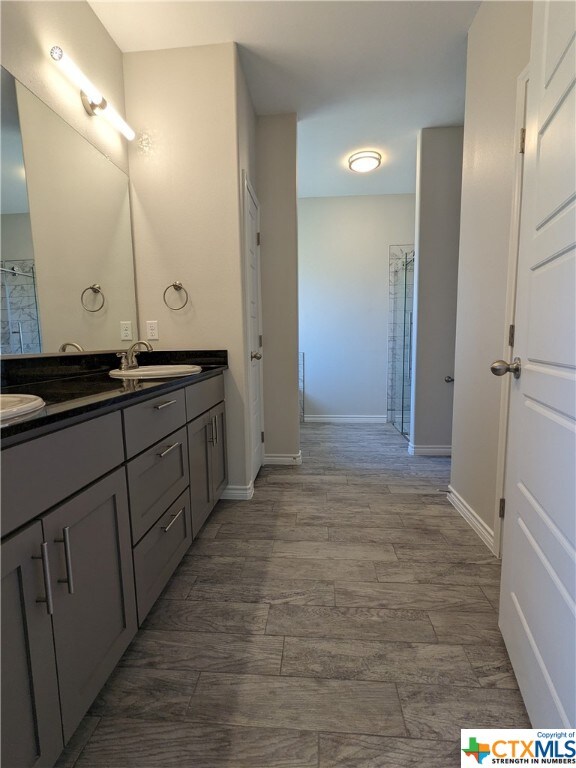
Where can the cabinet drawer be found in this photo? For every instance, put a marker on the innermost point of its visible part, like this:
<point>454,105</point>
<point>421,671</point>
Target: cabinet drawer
<point>159,552</point>
<point>148,422</point>
<point>155,479</point>
<point>42,472</point>
<point>202,396</point>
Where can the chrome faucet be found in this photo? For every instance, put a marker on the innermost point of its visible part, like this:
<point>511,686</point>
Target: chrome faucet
<point>77,347</point>
<point>128,359</point>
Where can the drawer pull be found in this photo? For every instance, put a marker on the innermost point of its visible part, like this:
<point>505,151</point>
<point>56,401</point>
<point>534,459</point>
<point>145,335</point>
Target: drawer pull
<point>47,584</point>
<point>165,404</point>
<point>67,554</point>
<point>167,451</point>
<point>175,517</point>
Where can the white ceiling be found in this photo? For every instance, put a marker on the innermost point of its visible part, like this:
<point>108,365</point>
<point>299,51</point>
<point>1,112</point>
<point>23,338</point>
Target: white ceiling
<point>358,74</point>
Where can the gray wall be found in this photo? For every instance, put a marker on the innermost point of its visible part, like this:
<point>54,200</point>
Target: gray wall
<point>438,187</point>
<point>276,190</point>
<point>344,294</point>
<point>186,209</point>
<point>498,51</point>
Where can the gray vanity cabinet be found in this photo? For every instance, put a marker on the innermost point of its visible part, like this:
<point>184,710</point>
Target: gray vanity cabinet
<point>93,586</point>
<point>31,733</point>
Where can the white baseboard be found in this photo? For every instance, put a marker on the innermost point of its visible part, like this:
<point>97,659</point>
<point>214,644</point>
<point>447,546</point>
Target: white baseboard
<point>472,518</point>
<point>429,450</point>
<point>238,492</point>
<point>283,458</point>
<point>310,417</point>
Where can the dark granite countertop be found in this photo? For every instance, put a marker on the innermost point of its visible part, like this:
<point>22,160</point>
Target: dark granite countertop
<point>76,387</point>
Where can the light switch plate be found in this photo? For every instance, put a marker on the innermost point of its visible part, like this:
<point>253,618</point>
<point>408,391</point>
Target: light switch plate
<point>125,330</point>
<point>152,329</point>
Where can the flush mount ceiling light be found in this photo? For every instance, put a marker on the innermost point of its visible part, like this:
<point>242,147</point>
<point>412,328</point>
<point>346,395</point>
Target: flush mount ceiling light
<point>93,101</point>
<point>362,162</point>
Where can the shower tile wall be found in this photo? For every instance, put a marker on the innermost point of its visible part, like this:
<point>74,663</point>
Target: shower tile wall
<point>400,336</point>
<point>19,325</point>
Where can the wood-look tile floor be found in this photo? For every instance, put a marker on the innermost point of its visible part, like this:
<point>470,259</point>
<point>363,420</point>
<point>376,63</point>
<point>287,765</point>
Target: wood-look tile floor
<point>345,617</point>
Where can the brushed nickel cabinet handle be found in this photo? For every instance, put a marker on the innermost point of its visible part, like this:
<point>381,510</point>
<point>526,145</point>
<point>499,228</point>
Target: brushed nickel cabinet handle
<point>167,451</point>
<point>175,517</point>
<point>46,572</point>
<point>216,439</point>
<point>165,404</point>
<point>68,557</point>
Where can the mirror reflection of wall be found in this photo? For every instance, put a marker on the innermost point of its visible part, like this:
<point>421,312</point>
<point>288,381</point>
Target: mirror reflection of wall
<point>19,324</point>
<point>79,224</point>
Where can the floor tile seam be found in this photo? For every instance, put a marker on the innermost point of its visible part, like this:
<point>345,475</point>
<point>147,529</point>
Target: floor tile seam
<point>384,681</point>
<point>211,632</point>
<point>362,638</point>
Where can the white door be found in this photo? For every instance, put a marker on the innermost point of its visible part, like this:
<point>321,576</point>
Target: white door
<point>254,325</point>
<point>538,609</point>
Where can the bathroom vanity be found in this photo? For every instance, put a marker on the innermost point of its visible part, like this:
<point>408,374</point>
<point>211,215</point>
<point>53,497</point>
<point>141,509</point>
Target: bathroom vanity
<point>102,494</point>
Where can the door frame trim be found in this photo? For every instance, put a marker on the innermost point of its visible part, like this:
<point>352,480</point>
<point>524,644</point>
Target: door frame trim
<point>511,284</point>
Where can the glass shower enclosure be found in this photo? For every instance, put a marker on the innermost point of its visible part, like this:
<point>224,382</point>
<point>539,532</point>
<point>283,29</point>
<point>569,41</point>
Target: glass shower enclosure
<point>401,277</point>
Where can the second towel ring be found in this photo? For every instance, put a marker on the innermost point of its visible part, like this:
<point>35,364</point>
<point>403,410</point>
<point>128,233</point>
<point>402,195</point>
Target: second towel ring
<point>95,289</point>
<point>177,285</point>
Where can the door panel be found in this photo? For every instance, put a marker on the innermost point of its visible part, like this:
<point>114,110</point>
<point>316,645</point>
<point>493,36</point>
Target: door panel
<point>537,610</point>
<point>200,473</point>
<point>94,625</point>
<point>254,320</point>
<point>219,460</point>
<point>31,729</point>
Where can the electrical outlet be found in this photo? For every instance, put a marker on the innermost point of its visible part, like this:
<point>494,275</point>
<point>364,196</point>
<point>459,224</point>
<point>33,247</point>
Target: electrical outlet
<point>152,329</point>
<point>125,330</point>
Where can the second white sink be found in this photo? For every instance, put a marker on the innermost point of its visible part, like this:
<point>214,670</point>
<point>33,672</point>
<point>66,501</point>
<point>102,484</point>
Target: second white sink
<point>12,406</point>
<point>155,372</point>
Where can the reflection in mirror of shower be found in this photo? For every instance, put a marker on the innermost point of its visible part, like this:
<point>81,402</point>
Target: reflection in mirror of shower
<point>19,322</point>
<point>400,336</point>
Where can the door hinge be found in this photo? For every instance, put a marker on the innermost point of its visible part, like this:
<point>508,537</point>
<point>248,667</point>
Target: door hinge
<point>522,140</point>
<point>257,238</point>
<point>502,508</point>
<point>511,333</point>
<point>260,340</point>
<point>262,436</point>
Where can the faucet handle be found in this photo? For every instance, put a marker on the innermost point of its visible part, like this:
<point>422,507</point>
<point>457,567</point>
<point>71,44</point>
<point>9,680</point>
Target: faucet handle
<point>123,360</point>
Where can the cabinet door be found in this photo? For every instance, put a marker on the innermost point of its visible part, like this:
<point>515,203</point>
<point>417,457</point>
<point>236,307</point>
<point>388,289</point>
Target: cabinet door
<point>93,585</point>
<point>199,451</point>
<point>218,451</point>
<point>31,728</point>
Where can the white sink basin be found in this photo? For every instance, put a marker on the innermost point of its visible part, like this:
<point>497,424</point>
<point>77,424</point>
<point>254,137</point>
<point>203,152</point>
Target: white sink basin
<point>156,372</point>
<point>12,406</point>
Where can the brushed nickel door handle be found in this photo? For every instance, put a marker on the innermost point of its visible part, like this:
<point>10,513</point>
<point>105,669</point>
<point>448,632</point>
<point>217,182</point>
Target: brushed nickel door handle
<point>256,356</point>
<point>68,557</point>
<point>46,572</point>
<point>175,517</point>
<point>500,367</point>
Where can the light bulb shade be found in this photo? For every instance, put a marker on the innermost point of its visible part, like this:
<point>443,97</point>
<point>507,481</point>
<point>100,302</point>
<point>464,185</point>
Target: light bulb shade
<point>365,161</point>
<point>75,74</point>
<point>92,99</point>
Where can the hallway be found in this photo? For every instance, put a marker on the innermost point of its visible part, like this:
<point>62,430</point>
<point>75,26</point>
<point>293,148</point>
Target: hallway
<point>345,617</point>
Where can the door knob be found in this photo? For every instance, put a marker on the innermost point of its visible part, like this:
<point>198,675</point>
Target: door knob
<point>500,367</point>
<point>255,356</point>
<point>448,379</point>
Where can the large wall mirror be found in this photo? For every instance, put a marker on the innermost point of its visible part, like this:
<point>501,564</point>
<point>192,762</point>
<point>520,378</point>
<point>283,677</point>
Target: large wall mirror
<point>67,266</point>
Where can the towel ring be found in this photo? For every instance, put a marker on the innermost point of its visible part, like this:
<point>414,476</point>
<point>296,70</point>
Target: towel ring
<point>177,285</point>
<point>95,289</point>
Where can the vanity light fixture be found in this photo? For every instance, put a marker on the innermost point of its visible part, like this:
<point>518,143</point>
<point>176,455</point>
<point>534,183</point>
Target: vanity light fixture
<point>93,101</point>
<point>362,162</point>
